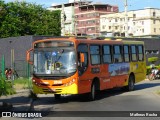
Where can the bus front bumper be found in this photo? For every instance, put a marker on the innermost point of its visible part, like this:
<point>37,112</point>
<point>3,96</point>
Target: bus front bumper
<point>72,89</point>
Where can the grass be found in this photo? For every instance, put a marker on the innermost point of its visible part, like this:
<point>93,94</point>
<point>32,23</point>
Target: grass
<point>21,83</point>
<point>9,87</point>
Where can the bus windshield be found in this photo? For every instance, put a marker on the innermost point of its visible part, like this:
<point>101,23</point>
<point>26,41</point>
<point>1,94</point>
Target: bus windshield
<point>54,62</point>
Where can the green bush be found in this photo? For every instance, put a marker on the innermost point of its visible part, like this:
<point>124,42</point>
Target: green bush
<point>6,87</point>
<point>148,70</point>
<point>152,59</point>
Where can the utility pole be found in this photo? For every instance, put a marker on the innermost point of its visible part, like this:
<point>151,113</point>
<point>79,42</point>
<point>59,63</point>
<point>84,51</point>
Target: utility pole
<point>75,27</point>
<point>126,18</point>
<point>62,20</point>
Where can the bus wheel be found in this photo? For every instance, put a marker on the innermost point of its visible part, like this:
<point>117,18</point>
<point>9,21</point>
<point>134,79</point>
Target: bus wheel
<point>57,96</point>
<point>92,94</point>
<point>130,86</point>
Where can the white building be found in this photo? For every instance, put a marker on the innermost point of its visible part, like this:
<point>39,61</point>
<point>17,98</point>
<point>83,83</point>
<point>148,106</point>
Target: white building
<point>67,25</point>
<point>71,1</point>
<point>144,22</point>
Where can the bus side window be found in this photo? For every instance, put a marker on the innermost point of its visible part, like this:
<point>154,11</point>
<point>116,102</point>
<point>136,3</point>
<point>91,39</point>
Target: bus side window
<point>82,66</point>
<point>133,53</point>
<point>126,53</point>
<point>117,54</point>
<point>140,53</point>
<point>95,54</point>
<point>107,57</point>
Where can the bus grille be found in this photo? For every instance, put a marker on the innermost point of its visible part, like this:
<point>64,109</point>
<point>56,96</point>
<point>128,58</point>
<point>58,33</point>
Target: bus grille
<point>47,90</point>
<point>57,84</point>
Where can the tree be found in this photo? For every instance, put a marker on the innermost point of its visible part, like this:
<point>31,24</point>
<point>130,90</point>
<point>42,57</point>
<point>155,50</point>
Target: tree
<point>22,18</point>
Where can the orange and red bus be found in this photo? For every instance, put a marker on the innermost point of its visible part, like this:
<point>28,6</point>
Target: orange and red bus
<point>70,65</point>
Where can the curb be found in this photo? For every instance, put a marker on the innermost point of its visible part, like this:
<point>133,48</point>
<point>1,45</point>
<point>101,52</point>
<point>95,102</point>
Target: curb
<point>22,91</point>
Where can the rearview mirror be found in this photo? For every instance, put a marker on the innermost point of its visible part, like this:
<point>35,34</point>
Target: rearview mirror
<point>82,57</point>
<point>28,56</point>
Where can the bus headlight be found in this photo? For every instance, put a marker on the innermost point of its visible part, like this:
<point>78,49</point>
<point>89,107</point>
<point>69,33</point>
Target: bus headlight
<point>70,82</point>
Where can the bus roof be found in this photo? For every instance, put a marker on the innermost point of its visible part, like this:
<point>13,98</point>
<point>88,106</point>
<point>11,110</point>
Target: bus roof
<point>97,40</point>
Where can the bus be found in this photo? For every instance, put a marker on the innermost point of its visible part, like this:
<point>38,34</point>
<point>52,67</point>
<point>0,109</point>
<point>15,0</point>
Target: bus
<point>72,65</point>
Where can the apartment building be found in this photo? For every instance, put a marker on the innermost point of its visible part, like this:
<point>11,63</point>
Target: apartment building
<point>82,16</point>
<point>143,22</point>
<point>67,17</point>
<point>87,17</point>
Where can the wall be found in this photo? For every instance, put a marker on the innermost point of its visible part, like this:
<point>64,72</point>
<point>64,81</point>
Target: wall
<point>20,45</point>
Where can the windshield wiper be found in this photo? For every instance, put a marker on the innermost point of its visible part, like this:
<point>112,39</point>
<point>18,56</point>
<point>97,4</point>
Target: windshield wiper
<point>59,56</point>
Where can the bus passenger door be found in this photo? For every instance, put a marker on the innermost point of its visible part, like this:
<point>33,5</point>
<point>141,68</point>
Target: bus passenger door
<point>84,80</point>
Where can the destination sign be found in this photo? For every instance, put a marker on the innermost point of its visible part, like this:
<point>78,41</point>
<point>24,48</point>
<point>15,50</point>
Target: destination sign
<point>49,44</point>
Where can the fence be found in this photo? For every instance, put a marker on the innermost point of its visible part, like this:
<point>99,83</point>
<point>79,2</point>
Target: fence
<point>2,66</point>
<point>22,68</point>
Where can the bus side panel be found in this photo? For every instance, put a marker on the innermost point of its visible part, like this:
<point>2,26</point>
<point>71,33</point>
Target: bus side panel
<point>141,72</point>
<point>84,86</point>
<point>119,74</point>
<point>110,76</point>
<point>109,80</point>
<point>138,68</point>
<point>105,81</point>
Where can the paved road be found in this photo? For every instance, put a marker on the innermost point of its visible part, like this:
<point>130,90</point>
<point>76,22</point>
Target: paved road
<point>144,98</point>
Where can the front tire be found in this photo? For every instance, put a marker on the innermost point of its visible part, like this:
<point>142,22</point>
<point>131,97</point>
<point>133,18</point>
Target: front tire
<point>92,94</point>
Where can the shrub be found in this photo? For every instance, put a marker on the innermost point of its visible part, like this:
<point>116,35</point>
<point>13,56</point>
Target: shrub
<point>6,87</point>
<point>152,59</point>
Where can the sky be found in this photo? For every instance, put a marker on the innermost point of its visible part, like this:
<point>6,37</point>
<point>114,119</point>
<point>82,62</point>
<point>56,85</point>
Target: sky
<point>132,4</point>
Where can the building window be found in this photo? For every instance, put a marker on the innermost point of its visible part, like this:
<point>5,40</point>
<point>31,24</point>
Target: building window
<point>97,14</point>
<point>112,9</point>
<point>142,30</point>
<point>97,28</point>
<point>154,21</point>
<point>154,14</point>
<point>142,22</point>
<point>104,26</point>
<point>109,27</point>
<point>90,29</point>
<point>154,29</point>
<point>134,15</point>
<point>134,23</point>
